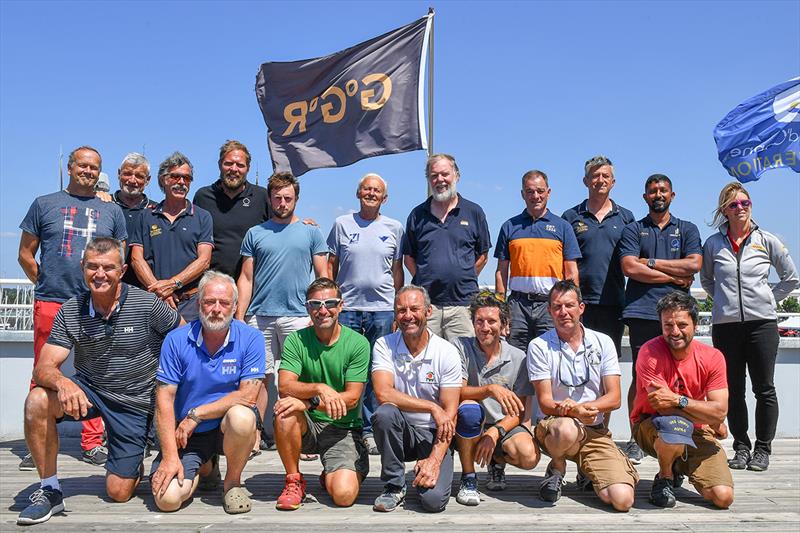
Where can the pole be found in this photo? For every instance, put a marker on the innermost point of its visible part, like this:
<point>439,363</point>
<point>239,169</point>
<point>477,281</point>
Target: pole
<point>430,85</point>
<point>61,168</point>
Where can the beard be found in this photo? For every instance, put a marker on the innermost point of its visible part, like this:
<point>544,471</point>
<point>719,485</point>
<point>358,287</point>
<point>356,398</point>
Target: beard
<point>659,206</point>
<point>215,323</point>
<point>133,192</point>
<point>232,183</point>
<point>446,195</point>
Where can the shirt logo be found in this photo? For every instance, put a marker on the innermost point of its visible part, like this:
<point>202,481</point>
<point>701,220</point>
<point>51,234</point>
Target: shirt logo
<point>383,238</point>
<point>155,231</point>
<point>550,227</point>
<point>580,227</point>
<point>644,233</point>
<point>127,329</point>
<point>354,237</point>
<point>675,244</point>
<point>228,367</point>
<point>758,247</point>
<point>465,222</point>
<point>429,377</point>
<point>245,202</point>
<point>72,230</point>
<point>255,369</point>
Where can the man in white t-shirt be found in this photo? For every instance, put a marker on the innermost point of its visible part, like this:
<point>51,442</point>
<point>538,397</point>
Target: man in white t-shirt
<point>417,380</point>
<point>576,374</point>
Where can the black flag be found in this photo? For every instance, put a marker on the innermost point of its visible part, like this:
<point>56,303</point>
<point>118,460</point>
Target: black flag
<point>361,102</point>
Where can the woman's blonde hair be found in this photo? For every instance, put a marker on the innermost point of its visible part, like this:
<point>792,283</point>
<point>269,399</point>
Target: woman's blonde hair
<point>726,196</point>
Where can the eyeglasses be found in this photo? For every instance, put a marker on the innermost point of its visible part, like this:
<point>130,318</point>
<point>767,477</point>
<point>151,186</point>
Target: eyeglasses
<point>178,177</point>
<point>745,204</point>
<point>330,303</point>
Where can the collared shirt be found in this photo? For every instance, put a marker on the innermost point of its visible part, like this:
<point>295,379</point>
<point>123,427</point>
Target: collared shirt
<point>553,359</point>
<point>232,218</point>
<point>437,367</point>
<point>644,239</point>
<point>507,369</point>
<point>537,250</point>
<point>117,356</point>
<point>600,272</point>
<point>202,377</point>
<point>169,247</point>
<point>133,216</point>
<point>446,252</point>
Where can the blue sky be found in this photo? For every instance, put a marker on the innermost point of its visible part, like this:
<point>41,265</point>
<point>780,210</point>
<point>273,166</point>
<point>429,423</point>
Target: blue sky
<point>518,85</point>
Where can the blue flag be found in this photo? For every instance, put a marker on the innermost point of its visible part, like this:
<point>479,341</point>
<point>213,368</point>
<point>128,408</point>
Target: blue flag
<point>762,133</point>
<point>361,102</point>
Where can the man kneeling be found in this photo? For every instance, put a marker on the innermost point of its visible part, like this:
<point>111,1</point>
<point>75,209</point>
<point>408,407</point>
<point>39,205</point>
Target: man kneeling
<point>577,378</point>
<point>321,381</point>
<point>209,376</point>
<point>495,399</point>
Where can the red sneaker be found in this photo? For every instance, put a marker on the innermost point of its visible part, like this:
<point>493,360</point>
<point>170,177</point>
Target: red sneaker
<point>294,491</point>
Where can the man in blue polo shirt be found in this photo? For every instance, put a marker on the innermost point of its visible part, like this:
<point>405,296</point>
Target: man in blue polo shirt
<point>445,247</point>
<point>598,223</point>
<point>171,247</point>
<point>660,254</point>
<point>535,249</point>
<point>208,379</point>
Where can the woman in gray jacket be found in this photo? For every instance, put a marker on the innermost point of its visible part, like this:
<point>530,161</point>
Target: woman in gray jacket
<point>736,266</point>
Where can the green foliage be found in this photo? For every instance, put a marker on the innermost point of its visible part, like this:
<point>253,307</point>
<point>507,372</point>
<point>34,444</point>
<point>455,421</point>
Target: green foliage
<point>789,305</point>
<point>705,305</point>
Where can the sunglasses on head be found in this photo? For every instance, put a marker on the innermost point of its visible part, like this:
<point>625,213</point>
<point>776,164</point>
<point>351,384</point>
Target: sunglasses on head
<point>744,203</point>
<point>330,303</point>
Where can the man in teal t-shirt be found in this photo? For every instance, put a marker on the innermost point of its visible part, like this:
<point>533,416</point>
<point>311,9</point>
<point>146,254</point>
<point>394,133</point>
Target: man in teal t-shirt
<point>321,379</point>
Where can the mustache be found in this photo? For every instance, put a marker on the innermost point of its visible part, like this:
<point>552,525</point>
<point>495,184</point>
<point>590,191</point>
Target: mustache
<point>179,188</point>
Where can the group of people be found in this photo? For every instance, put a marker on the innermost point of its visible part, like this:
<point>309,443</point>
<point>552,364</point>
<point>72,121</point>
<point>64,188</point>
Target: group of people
<point>229,322</point>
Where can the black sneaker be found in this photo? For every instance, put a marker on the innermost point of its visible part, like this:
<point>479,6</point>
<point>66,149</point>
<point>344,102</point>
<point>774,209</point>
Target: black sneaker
<point>677,479</point>
<point>759,462</point>
<point>497,477</point>
<point>96,456</point>
<point>661,494</point>
<point>390,499</point>
<point>45,502</point>
<point>550,489</point>
<point>27,464</point>
<point>582,482</point>
<point>740,460</point>
<point>634,453</point>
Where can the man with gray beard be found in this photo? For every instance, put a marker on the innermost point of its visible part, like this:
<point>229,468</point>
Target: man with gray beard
<point>445,247</point>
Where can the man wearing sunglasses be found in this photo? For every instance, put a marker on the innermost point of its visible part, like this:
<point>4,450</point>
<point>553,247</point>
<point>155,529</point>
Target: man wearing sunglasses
<point>660,254</point>
<point>116,333</point>
<point>577,378</point>
<point>171,246</point>
<point>321,382</point>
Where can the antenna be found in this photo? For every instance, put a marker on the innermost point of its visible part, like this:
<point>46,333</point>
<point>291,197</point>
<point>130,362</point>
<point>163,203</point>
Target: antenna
<point>61,167</point>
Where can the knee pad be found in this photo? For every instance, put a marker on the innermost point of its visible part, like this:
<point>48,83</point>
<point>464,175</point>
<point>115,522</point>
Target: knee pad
<point>470,420</point>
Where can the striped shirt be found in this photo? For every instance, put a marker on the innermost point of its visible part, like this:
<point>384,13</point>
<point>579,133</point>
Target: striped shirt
<point>119,356</point>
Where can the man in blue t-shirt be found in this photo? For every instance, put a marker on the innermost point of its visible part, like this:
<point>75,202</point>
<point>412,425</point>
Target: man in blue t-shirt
<point>58,226</point>
<point>281,257</point>
<point>209,375</point>
<point>660,254</point>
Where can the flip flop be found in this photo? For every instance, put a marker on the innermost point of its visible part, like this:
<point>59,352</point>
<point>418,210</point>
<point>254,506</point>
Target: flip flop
<point>254,454</point>
<point>236,501</point>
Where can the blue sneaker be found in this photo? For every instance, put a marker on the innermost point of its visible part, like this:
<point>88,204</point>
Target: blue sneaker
<point>45,502</point>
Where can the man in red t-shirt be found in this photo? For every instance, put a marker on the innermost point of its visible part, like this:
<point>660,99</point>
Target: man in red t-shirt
<point>682,380</point>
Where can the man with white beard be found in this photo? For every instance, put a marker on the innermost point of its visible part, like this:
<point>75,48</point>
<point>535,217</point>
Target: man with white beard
<point>445,247</point>
<point>208,379</point>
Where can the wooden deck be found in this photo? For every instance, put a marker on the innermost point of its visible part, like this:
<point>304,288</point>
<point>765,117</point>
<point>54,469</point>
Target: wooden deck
<point>768,501</point>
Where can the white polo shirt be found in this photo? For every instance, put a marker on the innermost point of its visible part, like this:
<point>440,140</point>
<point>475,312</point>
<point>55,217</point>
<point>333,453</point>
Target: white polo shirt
<point>437,367</point>
<point>551,358</point>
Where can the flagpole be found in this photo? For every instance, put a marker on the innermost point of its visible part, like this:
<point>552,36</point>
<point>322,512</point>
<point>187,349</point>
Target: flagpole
<point>430,85</point>
<point>61,168</point>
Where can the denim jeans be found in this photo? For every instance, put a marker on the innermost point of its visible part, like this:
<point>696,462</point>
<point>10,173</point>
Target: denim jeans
<point>373,325</point>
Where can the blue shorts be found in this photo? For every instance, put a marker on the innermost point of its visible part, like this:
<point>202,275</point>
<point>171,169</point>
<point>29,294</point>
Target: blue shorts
<point>126,431</point>
<point>199,450</point>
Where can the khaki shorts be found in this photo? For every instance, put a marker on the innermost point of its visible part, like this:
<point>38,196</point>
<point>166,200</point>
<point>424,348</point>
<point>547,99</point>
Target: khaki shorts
<point>598,457</point>
<point>339,448</point>
<point>706,465</point>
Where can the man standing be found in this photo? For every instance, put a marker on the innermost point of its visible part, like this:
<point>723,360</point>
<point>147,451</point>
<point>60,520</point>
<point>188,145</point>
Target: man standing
<point>417,379</point>
<point>208,379</point>
<point>235,205</point>
<point>62,223</point>
<point>171,247</point>
<point>134,175</point>
<point>281,257</point>
<point>493,426</point>
<point>576,374</point>
<point>116,332</point>
<point>445,247</point>
<point>598,223</point>
<point>539,249</point>
<point>366,262</point>
<point>322,375</point>
<point>660,254</point>
<point>681,403</point>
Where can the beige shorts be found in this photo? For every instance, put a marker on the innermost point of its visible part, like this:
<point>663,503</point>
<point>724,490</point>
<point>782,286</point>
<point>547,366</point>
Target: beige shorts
<point>706,465</point>
<point>598,457</point>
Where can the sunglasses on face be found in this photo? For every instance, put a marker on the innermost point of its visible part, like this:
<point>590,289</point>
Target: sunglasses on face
<point>743,203</point>
<point>330,303</point>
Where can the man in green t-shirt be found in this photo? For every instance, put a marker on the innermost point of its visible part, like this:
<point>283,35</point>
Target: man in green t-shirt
<point>320,381</point>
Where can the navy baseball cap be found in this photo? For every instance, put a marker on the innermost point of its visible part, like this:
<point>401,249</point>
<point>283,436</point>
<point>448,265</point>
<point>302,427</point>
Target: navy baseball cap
<point>674,429</point>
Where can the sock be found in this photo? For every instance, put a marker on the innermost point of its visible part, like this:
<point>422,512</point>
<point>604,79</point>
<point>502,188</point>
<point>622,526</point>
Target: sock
<point>470,474</point>
<point>51,482</point>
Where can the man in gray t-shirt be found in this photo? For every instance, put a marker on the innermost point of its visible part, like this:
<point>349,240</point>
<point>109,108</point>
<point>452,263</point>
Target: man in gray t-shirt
<point>366,261</point>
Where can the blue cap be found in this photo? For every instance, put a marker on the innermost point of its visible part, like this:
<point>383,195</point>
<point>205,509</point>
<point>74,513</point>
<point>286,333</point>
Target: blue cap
<point>674,429</point>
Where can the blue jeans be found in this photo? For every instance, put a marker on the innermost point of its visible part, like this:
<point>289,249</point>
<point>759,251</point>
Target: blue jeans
<point>373,325</point>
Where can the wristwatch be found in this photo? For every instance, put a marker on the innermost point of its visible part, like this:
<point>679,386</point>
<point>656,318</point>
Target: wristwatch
<point>192,415</point>
<point>651,263</point>
<point>683,401</point>
<point>500,431</point>
<point>313,403</point>
<point>178,284</point>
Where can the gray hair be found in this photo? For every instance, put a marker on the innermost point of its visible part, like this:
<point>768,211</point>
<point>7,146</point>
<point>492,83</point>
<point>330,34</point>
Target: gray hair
<point>597,162</point>
<point>103,245</point>
<point>373,175</point>
<point>533,174</point>
<point>212,276</point>
<point>409,288</point>
<point>436,157</point>
<point>175,159</point>
<point>71,158</point>
<point>135,159</point>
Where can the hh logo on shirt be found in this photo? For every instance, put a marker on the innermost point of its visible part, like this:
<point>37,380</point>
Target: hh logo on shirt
<point>228,367</point>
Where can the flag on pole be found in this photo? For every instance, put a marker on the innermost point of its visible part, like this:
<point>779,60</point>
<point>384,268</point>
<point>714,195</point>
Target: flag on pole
<point>361,102</point>
<point>762,133</point>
